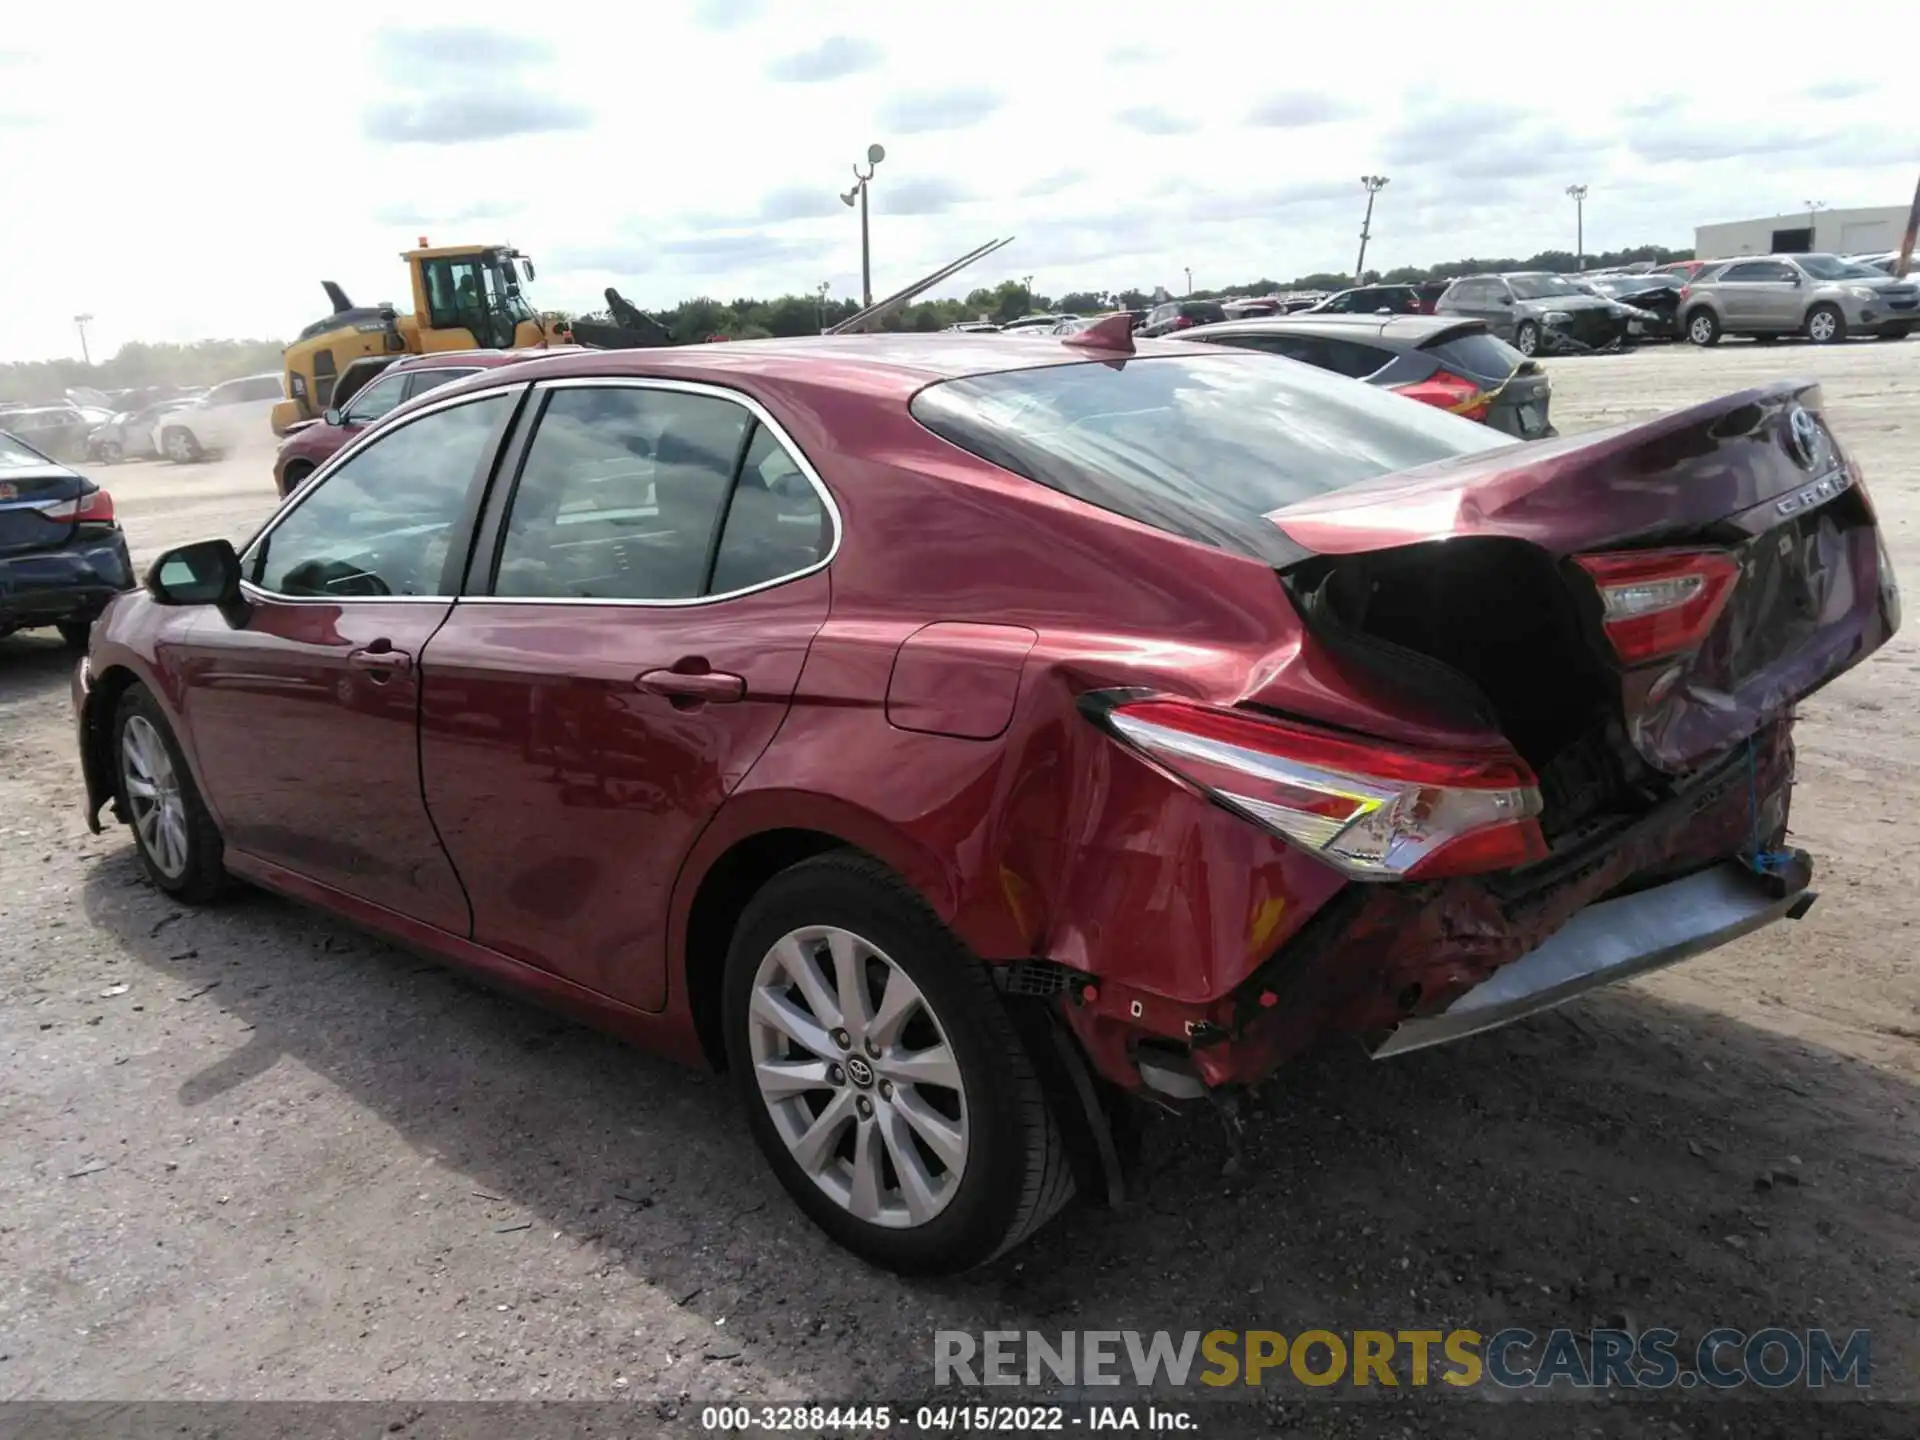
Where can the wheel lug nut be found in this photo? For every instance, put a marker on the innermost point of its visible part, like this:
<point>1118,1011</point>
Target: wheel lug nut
<point>873,1049</point>
<point>836,1075</point>
<point>842,1039</point>
<point>886,1090</point>
<point>866,1108</point>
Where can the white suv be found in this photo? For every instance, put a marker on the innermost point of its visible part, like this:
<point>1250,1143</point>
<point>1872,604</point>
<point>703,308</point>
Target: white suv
<point>227,415</point>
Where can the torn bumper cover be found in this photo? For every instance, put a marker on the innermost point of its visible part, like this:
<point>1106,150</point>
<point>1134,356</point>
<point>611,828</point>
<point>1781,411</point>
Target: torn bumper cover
<point>1609,942</point>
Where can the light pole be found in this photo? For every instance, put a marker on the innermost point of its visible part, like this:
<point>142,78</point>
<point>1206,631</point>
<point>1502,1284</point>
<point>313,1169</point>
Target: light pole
<point>1027,280</point>
<point>82,321</point>
<point>1189,270</point>
<point>875,154</point>
<point>821,307</point>
<point>1814,207</point>
<point>1375,184</point>
<point>1579,194</point>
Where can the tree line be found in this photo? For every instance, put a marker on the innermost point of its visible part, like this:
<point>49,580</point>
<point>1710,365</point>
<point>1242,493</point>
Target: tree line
<point>206,362</point>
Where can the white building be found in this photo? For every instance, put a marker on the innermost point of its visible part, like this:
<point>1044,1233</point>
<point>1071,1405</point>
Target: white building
<point>1841,232</point>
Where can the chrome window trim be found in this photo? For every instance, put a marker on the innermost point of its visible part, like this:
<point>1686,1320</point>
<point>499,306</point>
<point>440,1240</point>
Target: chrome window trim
<point>333,463</point>
<point>717,392</point>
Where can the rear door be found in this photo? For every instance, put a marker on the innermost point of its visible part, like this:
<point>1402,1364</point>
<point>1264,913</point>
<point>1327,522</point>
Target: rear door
<point>1759,295</point>
<point>644,597</point>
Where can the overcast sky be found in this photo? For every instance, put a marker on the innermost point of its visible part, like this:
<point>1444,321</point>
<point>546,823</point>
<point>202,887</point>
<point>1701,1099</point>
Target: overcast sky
<point>189,170</point>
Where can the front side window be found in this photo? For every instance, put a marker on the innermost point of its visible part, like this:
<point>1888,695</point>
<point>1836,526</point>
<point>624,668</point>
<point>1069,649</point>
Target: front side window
<point>261,387</point>
<point>621,494</point>
<point>1541,287</point>
<point>419,382</point>
<point>383,522</point>
<point>1202,446</point>
<point>376,400</point>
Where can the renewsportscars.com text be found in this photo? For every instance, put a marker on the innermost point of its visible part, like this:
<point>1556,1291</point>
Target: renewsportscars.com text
<point>1773,1358</point>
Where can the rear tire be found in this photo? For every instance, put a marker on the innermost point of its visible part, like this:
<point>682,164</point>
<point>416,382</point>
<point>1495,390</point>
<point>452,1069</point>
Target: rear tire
<point>111,453</point>
<point>914,1173</point>
<point>1703,327</point>
<point>1526,338</point>
<point>1898,332</point>
<point>77,633</point>
<point>294,477</point>
<point>1826,325</point>
<point>179,845</point>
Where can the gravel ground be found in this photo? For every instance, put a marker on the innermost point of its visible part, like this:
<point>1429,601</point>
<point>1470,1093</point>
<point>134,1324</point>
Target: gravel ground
<point>249,1153</point>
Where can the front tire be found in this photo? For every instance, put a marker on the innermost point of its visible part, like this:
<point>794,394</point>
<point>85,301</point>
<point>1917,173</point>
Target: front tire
<point>180,846</point>
<point>180,445</point>
<point>1526,338</point>
<point>882,1075</point>
<point>111,453</point>
<point>1703,328</point>
<point>76,633</point>
<point>1826,325</point>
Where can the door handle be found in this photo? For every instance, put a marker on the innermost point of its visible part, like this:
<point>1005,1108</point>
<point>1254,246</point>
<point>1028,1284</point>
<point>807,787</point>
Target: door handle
<point>686,688</point>
<point>380,661</point>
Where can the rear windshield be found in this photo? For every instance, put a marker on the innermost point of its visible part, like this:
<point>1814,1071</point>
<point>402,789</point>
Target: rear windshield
<point>1199,446</point>
<point>15,455</point>
<point>1203,312</point>
<point>1478,354</point>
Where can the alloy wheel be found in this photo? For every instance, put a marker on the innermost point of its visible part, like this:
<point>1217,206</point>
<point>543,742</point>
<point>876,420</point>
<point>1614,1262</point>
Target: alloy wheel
<point>1821,327</point>
<point>1527,341</point>
<point>179,446</point>
<point>1700,330</point>
<point>856,1071</point>
<point>153,794</point>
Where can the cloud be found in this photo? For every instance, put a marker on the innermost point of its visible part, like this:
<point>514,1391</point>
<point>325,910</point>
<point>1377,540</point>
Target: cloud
<point>406,52</point>
<point>1053,184</point>
<point>929,110</point>
<point>921,195</point>
<point>1295,109</point>
<point>710,254</point>
<point>833,57</point>
<point>1444,134</point>
<point>1668,141</point>
<point>795,202</point>
<point>410,213</point>
<point>1653,107</point>
<point>1155,120</point>
<point>1130,55</point>
<point>12,57</point>
<point>726,14</point>
<point>455,117</point>
<point>17,120</point>
<point>1256,204</point>
<point>1840,89</point>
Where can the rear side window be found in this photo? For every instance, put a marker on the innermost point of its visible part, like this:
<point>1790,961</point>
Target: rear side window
<point>1201,446</point>
<point>1478,354</point>
<point>776,522</point>
<point>261,387</point>
<point>622,492</point>
<point>419,382</point>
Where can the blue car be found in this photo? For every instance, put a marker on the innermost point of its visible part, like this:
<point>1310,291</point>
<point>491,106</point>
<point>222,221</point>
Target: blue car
<point>63,555</point>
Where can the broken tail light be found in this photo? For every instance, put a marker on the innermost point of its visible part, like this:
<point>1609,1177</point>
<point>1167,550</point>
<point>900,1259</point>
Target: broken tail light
<point>1452,393</point>
<point>1660,602</point>
<point>1370,810</point>
<point>93,508</point>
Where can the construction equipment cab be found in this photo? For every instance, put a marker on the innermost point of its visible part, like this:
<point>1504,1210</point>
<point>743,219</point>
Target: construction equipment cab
<point>465,297</point>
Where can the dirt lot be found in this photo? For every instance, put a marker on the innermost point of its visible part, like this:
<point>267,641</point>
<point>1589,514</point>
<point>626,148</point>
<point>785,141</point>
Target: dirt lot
<point>248,1153</point>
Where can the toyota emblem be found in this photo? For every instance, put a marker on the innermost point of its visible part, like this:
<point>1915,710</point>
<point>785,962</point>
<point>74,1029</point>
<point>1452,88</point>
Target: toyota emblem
<point>1803,435</point>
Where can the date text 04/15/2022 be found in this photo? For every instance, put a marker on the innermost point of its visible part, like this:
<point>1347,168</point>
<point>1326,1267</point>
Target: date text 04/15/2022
<point>946,1419</point>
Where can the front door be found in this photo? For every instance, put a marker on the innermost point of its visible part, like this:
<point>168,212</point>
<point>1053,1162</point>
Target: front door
<point>305,717</point>
<point>658,583</point>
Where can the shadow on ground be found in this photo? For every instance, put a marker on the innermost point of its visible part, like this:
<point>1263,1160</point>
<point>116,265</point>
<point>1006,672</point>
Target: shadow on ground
<point>1601,1165</point>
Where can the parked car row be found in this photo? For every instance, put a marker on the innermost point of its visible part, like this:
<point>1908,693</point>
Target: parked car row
<point>62,553</point>
<point>1822,297</point>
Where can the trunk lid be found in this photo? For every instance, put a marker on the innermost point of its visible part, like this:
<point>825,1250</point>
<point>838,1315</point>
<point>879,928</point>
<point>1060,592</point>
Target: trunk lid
<point>1755,476</point>
<point>25,492</point>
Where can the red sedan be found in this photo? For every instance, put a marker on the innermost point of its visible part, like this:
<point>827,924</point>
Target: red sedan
<point>309,444</point>
<point>952,736</point>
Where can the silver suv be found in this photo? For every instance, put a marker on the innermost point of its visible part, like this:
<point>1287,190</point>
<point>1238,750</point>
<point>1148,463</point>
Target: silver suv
<point>1822,297</point>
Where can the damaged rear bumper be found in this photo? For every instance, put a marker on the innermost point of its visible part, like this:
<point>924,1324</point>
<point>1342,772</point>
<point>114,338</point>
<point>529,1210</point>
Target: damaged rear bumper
<point>1610,942</point>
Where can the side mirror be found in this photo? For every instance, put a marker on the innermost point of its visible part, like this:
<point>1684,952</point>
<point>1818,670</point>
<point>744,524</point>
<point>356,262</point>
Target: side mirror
<point>206,572</point>
<point>332,417</point>
<point>526,267</point>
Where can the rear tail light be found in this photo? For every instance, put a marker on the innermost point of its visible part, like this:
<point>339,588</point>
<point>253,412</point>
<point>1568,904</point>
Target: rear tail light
<point>1455,394</point>
<point>1181,322</point>
<point>1372,811</point>
<point>93,508</point>
<point>1660,602</point>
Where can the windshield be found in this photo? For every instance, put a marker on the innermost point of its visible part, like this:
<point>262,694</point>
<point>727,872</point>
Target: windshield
<point>1203,447</point>
<point>1540,287</point>
<point>1832,267</point>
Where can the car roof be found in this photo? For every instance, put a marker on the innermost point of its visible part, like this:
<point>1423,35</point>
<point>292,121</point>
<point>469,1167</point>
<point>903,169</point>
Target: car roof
<point>892,363</point>
<point>1410,330</point>
<point>483,359</point>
